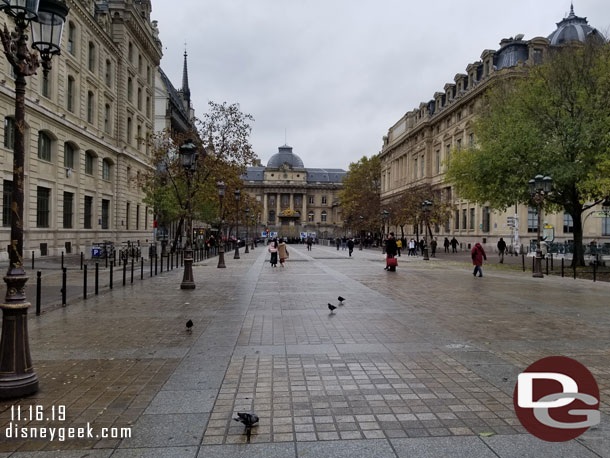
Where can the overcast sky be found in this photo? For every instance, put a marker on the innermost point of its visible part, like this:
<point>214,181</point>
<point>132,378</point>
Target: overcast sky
<point>336,74</point>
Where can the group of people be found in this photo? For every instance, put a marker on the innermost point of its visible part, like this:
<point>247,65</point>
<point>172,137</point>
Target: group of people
<point>278,249</point>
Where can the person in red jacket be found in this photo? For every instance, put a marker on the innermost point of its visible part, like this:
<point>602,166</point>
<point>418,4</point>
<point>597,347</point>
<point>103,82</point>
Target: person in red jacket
<point>478,255</point>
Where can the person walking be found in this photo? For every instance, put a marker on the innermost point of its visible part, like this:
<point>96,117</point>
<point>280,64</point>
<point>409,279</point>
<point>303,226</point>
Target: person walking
<point>344,243</point>
<point>398,246</point>
<point>501,249</point>
<point>446,244</point>
<point>391,249</point>
<point>478,255</point>
<point>338,242</point>
<point>350,246</point>
<point>454,244</point>
<point>411,247</point>
<point>422,245</point>
<point>309,243</point>
<point>273,246</point>
<point>433,245</point>
<point>282,251</point>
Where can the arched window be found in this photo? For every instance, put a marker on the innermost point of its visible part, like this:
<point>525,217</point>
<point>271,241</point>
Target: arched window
<point>90,162</point>
<point>71,38</point>
<point>108,76</point>
<point>107,114</point>
<point>323,217</point>
<point>91,56</point>
<point>90,107</point>
<point>310,217</point>
<point>69,153</point>
<point>106,169</point>
<point>71,94</point>
<point>9,133</point>
<point>44,146</point>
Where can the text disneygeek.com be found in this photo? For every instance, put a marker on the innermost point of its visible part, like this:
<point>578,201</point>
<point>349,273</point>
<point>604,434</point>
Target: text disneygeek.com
<point>61,433</point>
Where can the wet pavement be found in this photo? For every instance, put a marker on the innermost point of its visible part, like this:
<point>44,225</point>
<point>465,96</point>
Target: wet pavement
<point>417,363</point>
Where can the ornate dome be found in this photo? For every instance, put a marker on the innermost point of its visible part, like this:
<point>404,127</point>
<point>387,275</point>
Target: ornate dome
<point>285,156</point>
<point>572,28</point>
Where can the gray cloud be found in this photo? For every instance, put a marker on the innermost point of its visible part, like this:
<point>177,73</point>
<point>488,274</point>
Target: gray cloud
<point>336,73</point>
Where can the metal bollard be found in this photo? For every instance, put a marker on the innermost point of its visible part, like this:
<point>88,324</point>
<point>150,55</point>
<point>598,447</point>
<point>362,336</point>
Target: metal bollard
<point>111,272</point>
<point>106,259</point>
<point>32,260</point>
<point>38,291</point>
<point>574,267</point>
<point>172,256</point>
<point>181,258</point>
<point>97,278</point>
<point>132,270</point>
<point>594,271</point>
<point>64,281</point>
<point>562,265</point>
<point>156,259</point>
<point>85,282</point>
<point>161,265</point>
<point>151,268</point>
<point>124,273</point>
<point>534,263</point>
<point>82,256</point>
<point>62,259</point>
<point>523,260</point>
<point>552,262</point>
<point>141,268</point>
<point>168,263</point>
<point>547,266</point>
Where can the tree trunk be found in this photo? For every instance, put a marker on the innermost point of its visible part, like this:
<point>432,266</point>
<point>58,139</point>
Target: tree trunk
<point>416,227</point>
<point>178,233</point>
<point>402,231</point>
<point>578,258</point>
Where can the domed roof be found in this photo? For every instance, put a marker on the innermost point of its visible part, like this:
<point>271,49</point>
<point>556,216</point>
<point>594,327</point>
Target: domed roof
<point>285,156</point>
<point>572,28</point>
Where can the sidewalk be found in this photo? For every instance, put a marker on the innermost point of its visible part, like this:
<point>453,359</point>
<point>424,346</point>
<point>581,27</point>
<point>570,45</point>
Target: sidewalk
<point>416,363</point>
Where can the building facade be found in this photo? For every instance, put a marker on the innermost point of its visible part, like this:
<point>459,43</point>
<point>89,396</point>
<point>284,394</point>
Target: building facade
<point>417,147</point>
<point>296,199</point>
<point>86,130</point>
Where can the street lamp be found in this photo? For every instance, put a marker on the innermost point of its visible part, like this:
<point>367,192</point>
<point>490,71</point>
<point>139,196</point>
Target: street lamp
<point>426,207</point>
<point>17,376</point>
<point>361,225</point>
<point>247,212</point>
<point>253,239</point>
<point>237,195</point>
<point>539,188</point>
<point>221,244</point>
<point>384,218</point>
<point>188,159</point>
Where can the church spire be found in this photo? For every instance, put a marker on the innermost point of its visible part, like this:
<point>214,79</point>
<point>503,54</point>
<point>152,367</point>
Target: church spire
<point>186,92</point>
<point>572,9</point>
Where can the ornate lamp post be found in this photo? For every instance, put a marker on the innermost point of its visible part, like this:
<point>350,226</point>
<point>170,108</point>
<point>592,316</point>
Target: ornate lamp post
<point>253,239</point>
<point>188,159</point>
<point>221,244</point>
<point>361,225</point>
<point>426,207</point>
<point>384,218</point>
<point>247,212</point>
<point>17,376</point>
<point>539,188</point>
<point>237,196</point>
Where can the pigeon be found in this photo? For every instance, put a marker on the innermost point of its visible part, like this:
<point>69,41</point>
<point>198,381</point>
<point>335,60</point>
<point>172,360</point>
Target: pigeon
<point>189,325</point>
<point>248,419</point>
<point>331,307</point>
<point>340,299</point>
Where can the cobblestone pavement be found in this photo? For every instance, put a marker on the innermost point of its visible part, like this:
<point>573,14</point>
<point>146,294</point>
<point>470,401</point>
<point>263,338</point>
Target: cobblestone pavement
<point>417,363</point>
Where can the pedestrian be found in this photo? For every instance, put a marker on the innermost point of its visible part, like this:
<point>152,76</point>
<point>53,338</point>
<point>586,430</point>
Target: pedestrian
<point>433,245</point>
<point>454,244</point>
<point>411,247</point>
<point>273,250</point>
<point>350,246</point>
<point>282,250</point>
<point>309,243</point>
<point>501,249</point>
<point>398,246</point>
<point>338,243</point>
<point>478,255</point>
<point>344,243</point>
<point>446,244</point>
<point>391,249</point>
<point>422,245</point>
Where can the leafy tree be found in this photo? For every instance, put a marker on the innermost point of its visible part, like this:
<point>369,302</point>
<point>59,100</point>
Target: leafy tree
<point>222,136</point>
<point>555,120</point>
<point>361,193</point>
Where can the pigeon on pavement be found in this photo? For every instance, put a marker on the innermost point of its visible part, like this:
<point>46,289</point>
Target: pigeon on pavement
<point>340,299</point>
<point>331,307</point>
<point>189,325</point>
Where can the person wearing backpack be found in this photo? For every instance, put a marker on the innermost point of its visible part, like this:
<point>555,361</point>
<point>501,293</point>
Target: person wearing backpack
<point>478,255</point>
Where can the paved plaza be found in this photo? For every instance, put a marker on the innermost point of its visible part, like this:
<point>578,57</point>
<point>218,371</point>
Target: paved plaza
<point>418,363</point>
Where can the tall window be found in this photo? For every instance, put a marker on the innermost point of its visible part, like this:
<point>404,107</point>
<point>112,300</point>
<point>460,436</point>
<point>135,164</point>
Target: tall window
<point>423,166</point>
<point>457,220</point>
<point>148,73</point>
<point>323,217</point>
<point>447,152</point>
<point>129,130</point>
<point>137,217</point>
<point>532,219</point>
<point>127,208</point>
<point>44,146</point>
<point>70,95</point>
<point>310,199</point>
<point>272,216</point>
<point>90,107</point>
<point>108,75</point>
<point>88,211</point>
<point>130,52</point>
<point>459,144</point>
<point>89,160</point>
<point>148,107</point>
<point>139,98</point>
<point>105,213</point>
<point>486,219</point>
<point>68,155</point>
<point>129,89</point>
<point>323,200</point>
<point>472,219</point>
<point>91,57</point>
<point>106,169</point>
<point>71,38</point>
<point>42,206</point>
<point>605,225</point>
<point>140,67</point>
<point>145,218</point>
<point>7,189</point>
<point>68,201</point>
<point>107,118</point>
<point>471,140</point>
<point>464,218</point>
<point>45,88</point>
<point>9,133</point>
<point>310,217</point>
<point>438,161</point>
<point>139,136</point>
<point>415,168</point>
<point>568,224</point>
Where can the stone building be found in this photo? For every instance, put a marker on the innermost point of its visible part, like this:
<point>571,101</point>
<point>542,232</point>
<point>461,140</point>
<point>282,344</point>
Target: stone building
<point>416,149</point>
<point>86,129</point>
<point>296,199</point>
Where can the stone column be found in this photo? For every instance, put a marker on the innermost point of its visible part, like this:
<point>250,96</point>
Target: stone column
<point>278,208</point>
<point>304,212</point>
<point>265,217</point>
<point>292,201</point>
